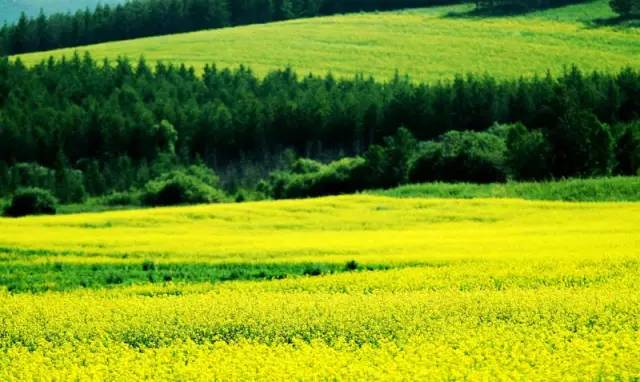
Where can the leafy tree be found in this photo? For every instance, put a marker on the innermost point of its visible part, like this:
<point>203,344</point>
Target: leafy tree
<point>527,155</point>
<point>122,125</point>
<point>628,150</point>
<point>176,188</point>
<point>625,8</point>
<point>388,164</point>
<point>581,145</point>
<point>461,157</point>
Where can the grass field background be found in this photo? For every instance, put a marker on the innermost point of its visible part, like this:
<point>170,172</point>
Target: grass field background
<point>427,44</point>
<point>610,189</point>
<point>364,287</point>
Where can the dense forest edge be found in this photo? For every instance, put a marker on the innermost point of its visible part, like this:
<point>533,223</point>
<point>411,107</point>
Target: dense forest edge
<point>145,18</point>
<point>132,134</point>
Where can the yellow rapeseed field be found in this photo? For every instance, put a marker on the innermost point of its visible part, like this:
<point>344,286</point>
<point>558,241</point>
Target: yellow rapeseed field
<point>483,289</point>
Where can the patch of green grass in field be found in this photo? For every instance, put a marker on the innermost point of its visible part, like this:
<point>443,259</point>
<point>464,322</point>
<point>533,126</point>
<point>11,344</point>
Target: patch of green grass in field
<point>584,190</point>
<point>17,276</point>
<point>427,44</point>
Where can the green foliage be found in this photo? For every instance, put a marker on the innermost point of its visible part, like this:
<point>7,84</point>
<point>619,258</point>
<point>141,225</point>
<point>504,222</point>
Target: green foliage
<point>346,175</point>
<point>628,150</point>
<point>10,10</point>
<point>382,166</point>
<point>50,276</point>
<point>113,129</point>
<point>31,201</point>
<point>625,8</point>
<point>181,187</point>
<point>461,156</point>
<point>527,155</point>
<point>305,166</point>
<point>387,165</point>
<point>70,185</point>
<point>65,183</point>
<point>31,174</point>
<point>581,145</point>
<point>126,198</point>
<point>577,190</point>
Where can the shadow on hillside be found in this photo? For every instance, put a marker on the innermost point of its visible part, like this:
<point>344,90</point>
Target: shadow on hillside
<point>620,21</point>
<point>513,9</point>
<point>499,11</point>
<point>506,10</point>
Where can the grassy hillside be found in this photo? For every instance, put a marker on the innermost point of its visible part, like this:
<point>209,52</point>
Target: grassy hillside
<point>428,44</point>
<point>472,282</point>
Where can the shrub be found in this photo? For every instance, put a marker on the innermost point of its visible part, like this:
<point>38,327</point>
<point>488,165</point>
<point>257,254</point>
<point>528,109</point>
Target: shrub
<point>203,174</point>
<point>31,201</point>
<point>148,265</point>
<point>527,153</point>
<point>342,176</point>
<point>459,157</point>
<point>351,265</point>
<point>338,177</point>
<point>25,175</point>
<point>130,198</point>
<point>178,187</point>
<point>305,166</point>
<point>114,278</point>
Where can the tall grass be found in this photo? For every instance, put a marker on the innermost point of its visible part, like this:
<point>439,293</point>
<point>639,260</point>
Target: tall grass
<point>582,190</point>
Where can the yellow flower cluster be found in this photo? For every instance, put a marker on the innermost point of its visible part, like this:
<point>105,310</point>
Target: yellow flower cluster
<point>486,290</point>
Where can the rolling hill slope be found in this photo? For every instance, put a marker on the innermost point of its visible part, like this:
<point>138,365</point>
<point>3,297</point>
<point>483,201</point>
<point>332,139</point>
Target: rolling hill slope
<point>428,44</point>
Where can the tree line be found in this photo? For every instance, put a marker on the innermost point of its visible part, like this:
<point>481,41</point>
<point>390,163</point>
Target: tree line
<point>626,8</point>
<point>77,126</point>
<point>142,18</point>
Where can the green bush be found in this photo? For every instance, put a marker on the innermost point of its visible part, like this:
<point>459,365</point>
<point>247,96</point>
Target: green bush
<point>339,177</point>
<point>130,198</point>
<point>461,157</point>
<point>26,175</point>
<point>527,154</point>
<point>178,187</point>
<point>31,201</point>
<point>305,166</point>
<point>346,175</point>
